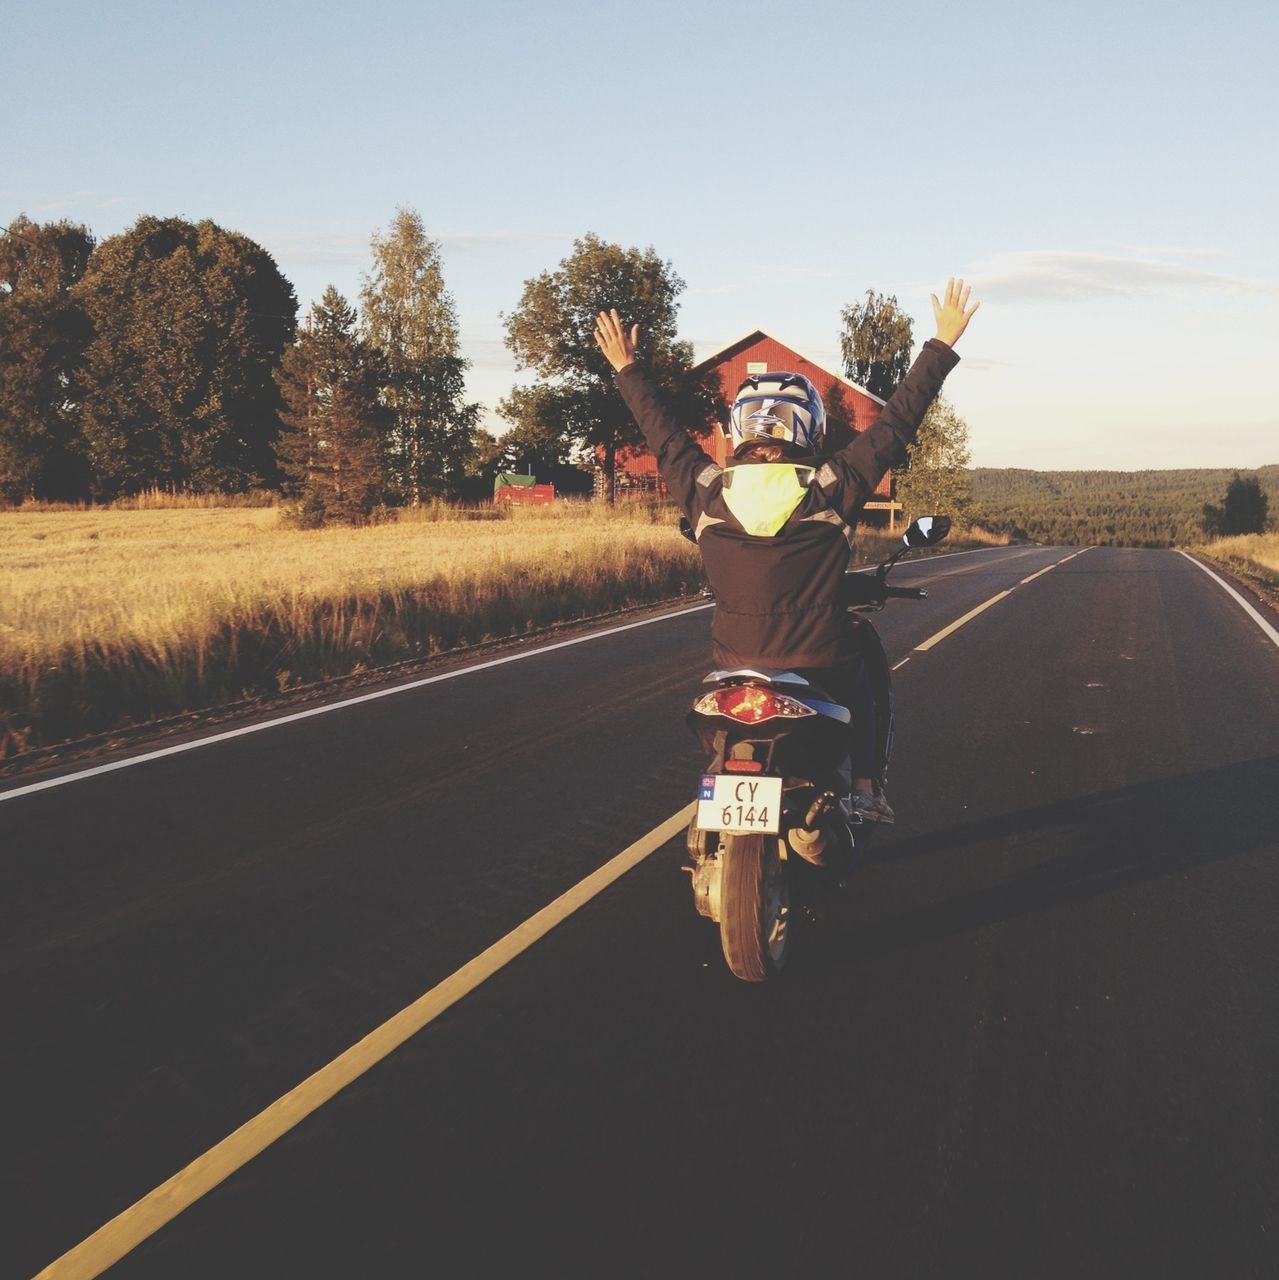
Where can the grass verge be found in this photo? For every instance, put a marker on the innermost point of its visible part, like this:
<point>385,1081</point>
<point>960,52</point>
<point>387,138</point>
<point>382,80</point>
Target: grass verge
<point>111,617</point>
<point>1253,556</point>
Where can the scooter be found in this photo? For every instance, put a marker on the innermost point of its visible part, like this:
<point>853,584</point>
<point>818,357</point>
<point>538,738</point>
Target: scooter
<point>774,830</point>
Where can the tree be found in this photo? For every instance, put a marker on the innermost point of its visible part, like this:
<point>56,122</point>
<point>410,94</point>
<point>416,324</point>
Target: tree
<point>840,415</point>
<point>1243,510</point>
<point>409,317</point>
<point>552,331</point>
<point>537,438</point>
<point>537,444</point>
<point>190,323</point>
<point>43,336</point>
<point>332,448</point>
<point>876,343</point>
<point>936,479</point>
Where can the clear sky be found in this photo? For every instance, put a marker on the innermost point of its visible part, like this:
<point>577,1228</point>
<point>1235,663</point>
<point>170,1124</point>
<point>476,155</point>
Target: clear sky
<point>1106,175</point>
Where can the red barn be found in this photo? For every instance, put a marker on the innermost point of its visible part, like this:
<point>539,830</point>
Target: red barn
<point>849,409</point>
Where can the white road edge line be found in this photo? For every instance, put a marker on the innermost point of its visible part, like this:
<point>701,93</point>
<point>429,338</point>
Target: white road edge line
<point>942,574</point>
<point>123,1233</point>
<point>947,555</point>
<point>93,771</point>
<point>127,1230</point>
<point>244,730</point>
<point>1247,608</point>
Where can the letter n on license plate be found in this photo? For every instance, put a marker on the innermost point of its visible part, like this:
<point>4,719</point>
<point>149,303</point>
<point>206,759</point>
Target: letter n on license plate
<point>731,802</point>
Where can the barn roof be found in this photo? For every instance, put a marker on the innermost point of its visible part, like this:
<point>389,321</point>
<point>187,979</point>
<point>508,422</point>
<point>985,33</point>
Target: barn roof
<point>749,339</point>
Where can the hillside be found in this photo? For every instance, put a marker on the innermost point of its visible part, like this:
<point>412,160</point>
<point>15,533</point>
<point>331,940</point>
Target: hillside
<point>1127,508</point>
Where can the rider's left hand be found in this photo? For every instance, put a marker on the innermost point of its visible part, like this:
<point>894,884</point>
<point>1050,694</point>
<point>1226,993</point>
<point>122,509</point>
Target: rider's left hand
<point>612,339</point>
<point>954,313</point>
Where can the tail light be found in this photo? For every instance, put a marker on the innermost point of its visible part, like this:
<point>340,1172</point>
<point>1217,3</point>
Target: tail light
<point>749,704</point>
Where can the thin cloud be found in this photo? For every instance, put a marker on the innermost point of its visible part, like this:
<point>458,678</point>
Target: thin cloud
<point>319,249</point>
<point>774,275</point>
<point>1169,251</point>
<point>72,204</point>
<point>981,365</point>
<point>322,248</point>
<point>472,240</point>
<point>1071,276</point>
<point>487,353</point>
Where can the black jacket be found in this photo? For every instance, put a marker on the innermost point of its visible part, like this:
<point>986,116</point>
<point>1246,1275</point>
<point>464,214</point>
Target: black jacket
<point>776,537</point>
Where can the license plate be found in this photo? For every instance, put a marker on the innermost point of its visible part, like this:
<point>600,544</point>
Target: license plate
<point>731,802</point>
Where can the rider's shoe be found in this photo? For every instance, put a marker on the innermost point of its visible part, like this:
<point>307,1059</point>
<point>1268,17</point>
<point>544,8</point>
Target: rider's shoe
<point>873,808</point>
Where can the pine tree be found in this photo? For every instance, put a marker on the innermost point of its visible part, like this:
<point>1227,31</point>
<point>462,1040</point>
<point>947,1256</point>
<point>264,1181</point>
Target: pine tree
<point>331,450</point>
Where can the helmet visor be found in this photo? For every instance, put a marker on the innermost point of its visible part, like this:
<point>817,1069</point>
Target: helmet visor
<point>765,417</point>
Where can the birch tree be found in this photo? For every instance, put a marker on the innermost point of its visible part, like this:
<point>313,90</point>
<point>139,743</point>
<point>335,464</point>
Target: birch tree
<point>936,480</point>
<point>409,317</point>
<point>876,343</point>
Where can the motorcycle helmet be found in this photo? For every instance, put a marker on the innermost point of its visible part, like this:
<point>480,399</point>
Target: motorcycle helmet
<point>778,408</point>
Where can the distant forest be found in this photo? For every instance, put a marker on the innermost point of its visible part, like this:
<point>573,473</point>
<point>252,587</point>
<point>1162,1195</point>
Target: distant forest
<point>1125,508</point>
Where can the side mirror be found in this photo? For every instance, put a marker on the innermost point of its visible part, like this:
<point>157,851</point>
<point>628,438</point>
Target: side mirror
<point>686,529</point>
<point>926,531</point>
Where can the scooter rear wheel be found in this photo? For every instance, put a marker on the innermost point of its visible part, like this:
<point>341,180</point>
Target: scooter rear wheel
<point>755,914</point>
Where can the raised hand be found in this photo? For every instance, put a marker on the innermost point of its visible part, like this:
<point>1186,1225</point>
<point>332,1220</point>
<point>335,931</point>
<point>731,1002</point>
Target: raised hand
<point>612,339</point>
<point>954,313</point>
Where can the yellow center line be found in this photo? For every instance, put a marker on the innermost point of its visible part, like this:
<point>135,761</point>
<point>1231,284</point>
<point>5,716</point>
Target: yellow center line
<point>959,622</point>
<point>123,1233</point>
<point>1041,573</point>
<point>106,1246</point>
<point>981,608</point>
<point>962,570</point>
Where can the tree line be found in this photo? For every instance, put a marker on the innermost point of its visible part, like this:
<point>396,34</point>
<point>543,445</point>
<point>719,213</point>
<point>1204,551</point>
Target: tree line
<point>170,356</point>
<point>1124,508</point>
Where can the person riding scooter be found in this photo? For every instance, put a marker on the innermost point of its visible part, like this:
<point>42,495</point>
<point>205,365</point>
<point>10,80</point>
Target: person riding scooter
<point>775,525</point>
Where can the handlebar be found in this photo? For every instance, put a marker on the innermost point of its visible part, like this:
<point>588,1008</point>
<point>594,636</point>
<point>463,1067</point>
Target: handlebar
<point>864,590</point>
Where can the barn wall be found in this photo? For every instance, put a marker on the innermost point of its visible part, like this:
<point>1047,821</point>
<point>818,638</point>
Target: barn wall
<point>732,369</point>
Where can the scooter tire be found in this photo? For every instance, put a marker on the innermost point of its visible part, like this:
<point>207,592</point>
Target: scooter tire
<point>755,910</point>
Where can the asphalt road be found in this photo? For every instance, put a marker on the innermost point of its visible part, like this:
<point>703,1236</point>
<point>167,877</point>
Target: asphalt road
<point>1040,1039</point>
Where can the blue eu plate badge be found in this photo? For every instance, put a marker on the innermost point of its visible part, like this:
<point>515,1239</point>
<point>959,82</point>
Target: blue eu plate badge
<point>708,787</point>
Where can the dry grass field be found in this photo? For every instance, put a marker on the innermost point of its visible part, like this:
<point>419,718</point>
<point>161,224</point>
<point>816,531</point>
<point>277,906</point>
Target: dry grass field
<point>1253,554</point>
<point>113,617</point>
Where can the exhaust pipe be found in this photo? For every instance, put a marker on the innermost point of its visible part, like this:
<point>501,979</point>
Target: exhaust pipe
<point>811,839</point>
